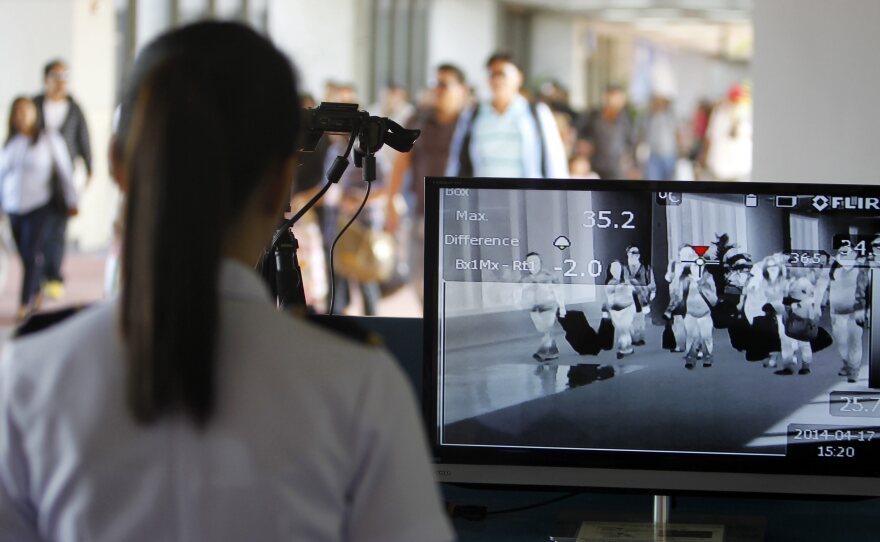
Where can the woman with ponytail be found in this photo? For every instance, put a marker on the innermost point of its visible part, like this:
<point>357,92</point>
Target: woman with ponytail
<point>189,408</point>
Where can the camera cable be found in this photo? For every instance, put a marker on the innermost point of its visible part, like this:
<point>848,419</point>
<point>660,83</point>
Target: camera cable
<point>336,240</point>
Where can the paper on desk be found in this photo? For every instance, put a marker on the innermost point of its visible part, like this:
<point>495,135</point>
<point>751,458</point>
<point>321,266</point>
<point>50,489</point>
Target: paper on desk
<point>591,531</point>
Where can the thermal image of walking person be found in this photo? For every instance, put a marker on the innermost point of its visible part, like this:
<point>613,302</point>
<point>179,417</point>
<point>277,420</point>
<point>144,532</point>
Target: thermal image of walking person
<point>677,309</point>
<point>801,324</point>
<point>847,292</point>
<point>641,276</point>
<point>622,305</point>
<point>699,296</point>
<point>543,294</point>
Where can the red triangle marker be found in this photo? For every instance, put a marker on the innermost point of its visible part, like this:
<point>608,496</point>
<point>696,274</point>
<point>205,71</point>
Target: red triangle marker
<point>700,249</point>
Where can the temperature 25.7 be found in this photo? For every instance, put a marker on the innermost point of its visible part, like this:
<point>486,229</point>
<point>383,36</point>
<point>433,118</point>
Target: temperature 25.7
<point>603,220</point>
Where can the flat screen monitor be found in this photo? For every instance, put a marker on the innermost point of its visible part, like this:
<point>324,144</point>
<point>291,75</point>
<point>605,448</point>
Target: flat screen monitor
<point>662,336</point>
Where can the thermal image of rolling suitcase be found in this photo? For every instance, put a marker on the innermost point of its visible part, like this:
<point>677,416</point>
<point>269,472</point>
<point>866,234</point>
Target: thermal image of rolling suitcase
<point>606,332</point>
<point>579,334</point>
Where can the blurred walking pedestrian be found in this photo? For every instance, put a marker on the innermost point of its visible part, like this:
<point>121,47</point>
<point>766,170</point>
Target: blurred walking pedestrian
<point>427,159</point>
<point>393,103</point>
<point>59,112</point>
<point>507,136</point>
<point>30,162</point>
<point>607,136</point>
<point>727,149</point>
<point>658,132</point>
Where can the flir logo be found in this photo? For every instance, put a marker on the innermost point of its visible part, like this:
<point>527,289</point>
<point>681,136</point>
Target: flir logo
<point>854,203</point>
<point>820,203</point>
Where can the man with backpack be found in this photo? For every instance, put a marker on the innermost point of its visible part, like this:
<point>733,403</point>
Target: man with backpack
<point>641,276</point>
<point>507,136</point>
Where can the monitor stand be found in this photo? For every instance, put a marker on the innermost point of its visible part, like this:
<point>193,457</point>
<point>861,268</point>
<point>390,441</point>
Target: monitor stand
<point>661,516</point>
<point>626,525</point>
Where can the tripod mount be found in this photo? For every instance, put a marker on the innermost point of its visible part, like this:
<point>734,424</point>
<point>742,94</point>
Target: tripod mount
<point>279,264</point>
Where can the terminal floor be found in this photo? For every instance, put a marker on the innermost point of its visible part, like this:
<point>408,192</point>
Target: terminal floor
<point>498,394</point>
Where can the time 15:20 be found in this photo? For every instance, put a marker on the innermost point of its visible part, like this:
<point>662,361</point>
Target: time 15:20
<point>602,220</point>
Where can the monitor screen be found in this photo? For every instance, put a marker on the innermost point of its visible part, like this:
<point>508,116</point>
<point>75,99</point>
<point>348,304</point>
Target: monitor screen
<point>655,335</point>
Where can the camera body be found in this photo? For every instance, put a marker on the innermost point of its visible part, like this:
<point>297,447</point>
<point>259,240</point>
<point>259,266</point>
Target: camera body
<point>333,118</point>
<point>343,118</point>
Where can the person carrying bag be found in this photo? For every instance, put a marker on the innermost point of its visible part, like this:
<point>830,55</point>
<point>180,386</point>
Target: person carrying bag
<point>29,161</point>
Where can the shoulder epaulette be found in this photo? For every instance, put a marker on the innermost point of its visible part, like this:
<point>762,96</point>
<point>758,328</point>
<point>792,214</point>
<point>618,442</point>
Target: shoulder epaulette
<point>44,320</point>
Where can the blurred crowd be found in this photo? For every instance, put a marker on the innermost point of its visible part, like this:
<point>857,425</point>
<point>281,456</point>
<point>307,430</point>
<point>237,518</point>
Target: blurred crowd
<point>514,132</point>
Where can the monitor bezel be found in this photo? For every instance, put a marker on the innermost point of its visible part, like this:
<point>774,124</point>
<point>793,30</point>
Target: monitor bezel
<point>651,471</point>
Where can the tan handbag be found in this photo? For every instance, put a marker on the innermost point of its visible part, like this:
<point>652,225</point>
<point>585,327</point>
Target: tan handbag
<point>365,254</point>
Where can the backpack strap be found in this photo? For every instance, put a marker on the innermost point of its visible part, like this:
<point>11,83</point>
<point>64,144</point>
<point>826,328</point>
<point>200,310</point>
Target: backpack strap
<point>706,299</point>
<point>465,163</point>
<point>533,108</point>
<point>835,265</point>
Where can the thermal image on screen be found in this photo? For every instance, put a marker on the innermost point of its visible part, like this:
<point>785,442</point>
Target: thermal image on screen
<point>668,322</point>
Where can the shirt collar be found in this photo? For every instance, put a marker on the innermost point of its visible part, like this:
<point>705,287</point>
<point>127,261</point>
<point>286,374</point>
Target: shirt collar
<point>517,105</point>
<point>240,281</point>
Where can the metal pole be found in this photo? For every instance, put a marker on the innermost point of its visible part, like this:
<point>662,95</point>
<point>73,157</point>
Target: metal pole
<point>130,35</point>
<point>661,516</point>
<point>174,8</point>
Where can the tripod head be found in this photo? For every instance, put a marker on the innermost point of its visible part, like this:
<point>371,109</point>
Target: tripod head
<point>372,134</point>
<point>279,264</point>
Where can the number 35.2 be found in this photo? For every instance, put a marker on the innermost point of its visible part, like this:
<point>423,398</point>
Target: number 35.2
<point>602,220</point>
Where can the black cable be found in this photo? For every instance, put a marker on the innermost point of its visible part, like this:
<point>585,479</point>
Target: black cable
<point>351,140</point>
<point>333,247</point>
<point>479,513</point>
<point>535,505</point>
<point>293,220</point>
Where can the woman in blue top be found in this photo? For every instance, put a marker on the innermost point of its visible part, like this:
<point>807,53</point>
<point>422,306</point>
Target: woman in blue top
<point>28,160</point>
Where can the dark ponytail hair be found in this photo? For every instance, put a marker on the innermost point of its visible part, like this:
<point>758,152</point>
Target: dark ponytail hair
<point>210,110</point>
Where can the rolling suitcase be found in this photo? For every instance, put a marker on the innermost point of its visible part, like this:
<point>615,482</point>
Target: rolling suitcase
<point>606,332</point>
<point>579,334</point>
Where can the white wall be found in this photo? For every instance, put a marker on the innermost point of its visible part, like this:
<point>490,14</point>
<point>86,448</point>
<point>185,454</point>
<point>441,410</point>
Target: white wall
<point>329,39</point>
<point>817,88</point>
<point>152,19</point>
<point>463,32</point>
<point>555,53</point>
<point>321,38</point>
<point>700,77</point>
<point>33,32</point>
<point>92,60</point>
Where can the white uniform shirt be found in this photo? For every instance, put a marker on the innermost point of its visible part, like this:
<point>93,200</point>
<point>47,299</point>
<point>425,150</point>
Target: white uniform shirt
<point>314,438</point>
<point>26,169</point>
